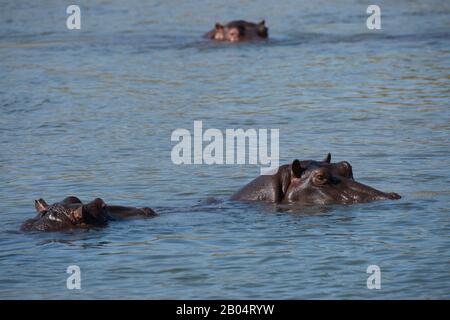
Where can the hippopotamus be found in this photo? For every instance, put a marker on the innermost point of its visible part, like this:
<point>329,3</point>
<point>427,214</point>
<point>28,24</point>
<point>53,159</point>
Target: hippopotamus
<point>71,213</point>
<point>67,214</point>
<point>238,30</point>
<point>311,182</point>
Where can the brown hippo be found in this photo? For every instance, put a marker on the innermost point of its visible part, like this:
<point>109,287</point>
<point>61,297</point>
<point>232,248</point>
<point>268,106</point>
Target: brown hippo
<point>121,212</point>
<point>238,30</point>
<point>67,214</point>
<point>72,213</point>
<point>311,182</point>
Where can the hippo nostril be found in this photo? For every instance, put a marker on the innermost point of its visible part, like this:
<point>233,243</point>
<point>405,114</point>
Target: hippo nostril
<point>148,212</point>
<point>394,196</point>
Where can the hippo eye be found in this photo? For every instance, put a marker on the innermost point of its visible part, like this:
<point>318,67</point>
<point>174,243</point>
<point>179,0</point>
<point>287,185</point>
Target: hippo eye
<point>320,179</point>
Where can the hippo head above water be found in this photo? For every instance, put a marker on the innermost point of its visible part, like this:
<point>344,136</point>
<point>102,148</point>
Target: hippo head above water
<point>238,30</point>
<point>342,168</point>
<point>67,214</point>
<point>71,213</point>
<point>322,184</point>
<point>311,182</point>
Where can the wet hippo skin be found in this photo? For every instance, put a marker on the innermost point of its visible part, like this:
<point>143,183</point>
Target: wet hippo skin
<point>238,30</point>
<point>71,213</point>
<point>67,214</point>
<point>121,212</point>
<point>311,182</point>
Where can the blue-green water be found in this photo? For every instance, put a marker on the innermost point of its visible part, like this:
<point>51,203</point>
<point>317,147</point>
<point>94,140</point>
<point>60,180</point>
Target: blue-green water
<point>91,112</point>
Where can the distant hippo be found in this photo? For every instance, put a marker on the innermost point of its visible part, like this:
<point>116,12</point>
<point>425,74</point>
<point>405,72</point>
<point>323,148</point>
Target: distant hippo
<point>311,182</point>
<point>67,214</point>
<point>238,30</point>
<point>71,213</point>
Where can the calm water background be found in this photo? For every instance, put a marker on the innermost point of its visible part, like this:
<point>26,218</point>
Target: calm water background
<point>90,113</point>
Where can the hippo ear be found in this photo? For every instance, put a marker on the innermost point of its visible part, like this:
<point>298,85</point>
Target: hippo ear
<point>327,158</point>
<point>296,168</point>
<point>262,23</point>
<point>100,203</point>
<point>218,26</point>
<point>40,205</point>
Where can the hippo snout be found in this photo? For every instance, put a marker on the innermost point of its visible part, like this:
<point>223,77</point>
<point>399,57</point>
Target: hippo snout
<point>393,196</point>
<point>148,212</point>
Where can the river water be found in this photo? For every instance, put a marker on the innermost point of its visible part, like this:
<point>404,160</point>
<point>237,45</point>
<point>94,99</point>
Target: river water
<point>90,113</point>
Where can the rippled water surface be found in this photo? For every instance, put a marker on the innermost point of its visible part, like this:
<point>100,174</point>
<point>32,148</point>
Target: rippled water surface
<point>91,112</point>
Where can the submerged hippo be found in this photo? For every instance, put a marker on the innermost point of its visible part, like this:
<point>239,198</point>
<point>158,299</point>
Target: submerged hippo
<point>67,214</point>
<point>238,30</point>
<point>311,182</point>
<point>72,213</point>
